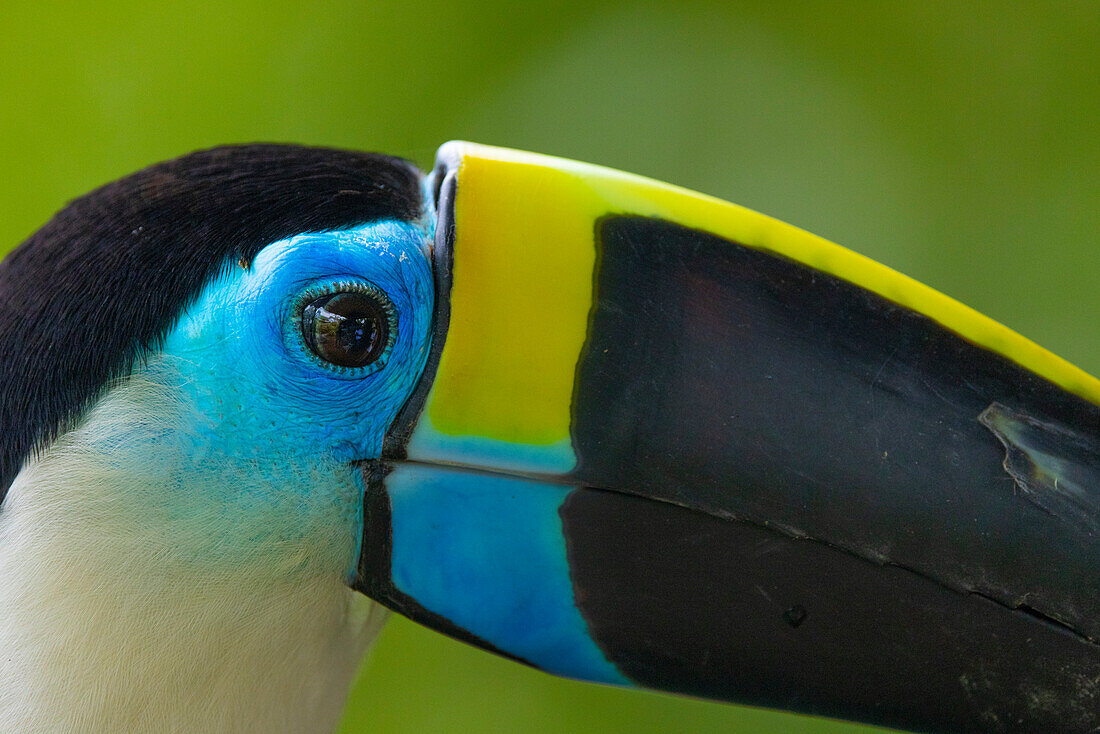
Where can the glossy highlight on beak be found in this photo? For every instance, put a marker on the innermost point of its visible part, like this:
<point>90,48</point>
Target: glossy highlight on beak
<point>667,442</point>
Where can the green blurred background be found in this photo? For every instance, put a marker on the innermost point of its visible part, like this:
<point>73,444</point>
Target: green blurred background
<point>956,142</point>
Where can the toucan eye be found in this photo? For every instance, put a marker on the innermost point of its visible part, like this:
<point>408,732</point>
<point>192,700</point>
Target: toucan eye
<point>348,328</point>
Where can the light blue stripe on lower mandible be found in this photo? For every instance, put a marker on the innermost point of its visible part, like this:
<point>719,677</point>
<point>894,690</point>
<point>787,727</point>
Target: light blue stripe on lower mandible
<point>487,552</point>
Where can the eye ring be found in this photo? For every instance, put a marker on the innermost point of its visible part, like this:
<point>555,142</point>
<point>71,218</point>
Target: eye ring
<point>346,326</point>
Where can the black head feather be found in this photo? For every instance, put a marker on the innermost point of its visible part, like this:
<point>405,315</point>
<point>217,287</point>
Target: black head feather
<point>100,284</point>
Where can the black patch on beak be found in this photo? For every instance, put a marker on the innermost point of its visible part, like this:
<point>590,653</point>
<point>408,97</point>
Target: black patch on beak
<point>682,601</point>
<point>807,512</point>
<point>745,385</point>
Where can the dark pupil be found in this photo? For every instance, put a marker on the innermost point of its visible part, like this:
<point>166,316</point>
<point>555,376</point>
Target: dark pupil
<point>347,329</point>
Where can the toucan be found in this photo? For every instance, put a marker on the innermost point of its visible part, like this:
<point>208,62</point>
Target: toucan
<point>257,397</point>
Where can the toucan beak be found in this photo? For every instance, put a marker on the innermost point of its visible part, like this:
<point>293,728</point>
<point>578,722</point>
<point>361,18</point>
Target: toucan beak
<point>666,442</point>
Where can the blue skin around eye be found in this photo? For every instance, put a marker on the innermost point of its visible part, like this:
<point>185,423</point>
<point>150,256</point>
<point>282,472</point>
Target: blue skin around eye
<point>253,372</point>
<point>265,407</point>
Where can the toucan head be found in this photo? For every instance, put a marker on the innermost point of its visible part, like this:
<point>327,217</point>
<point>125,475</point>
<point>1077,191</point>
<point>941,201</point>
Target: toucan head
<point>234,333</point>
<point>604,426</point>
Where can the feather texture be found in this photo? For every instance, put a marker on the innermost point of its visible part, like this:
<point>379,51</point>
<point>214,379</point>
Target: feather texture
<point>121,612</point>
